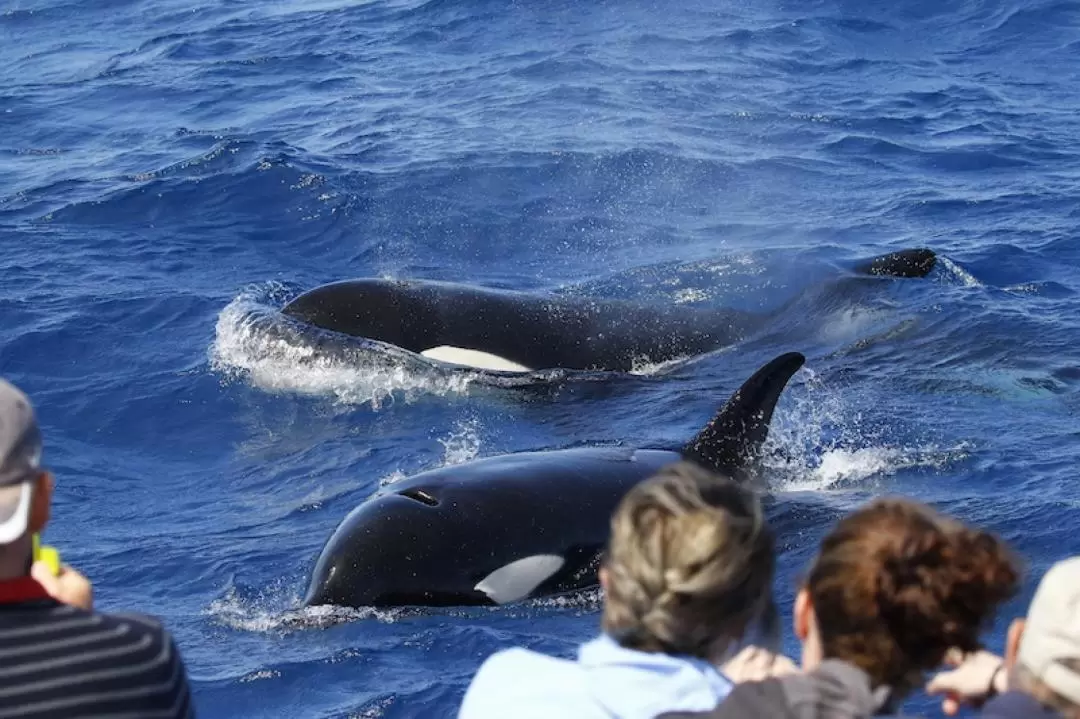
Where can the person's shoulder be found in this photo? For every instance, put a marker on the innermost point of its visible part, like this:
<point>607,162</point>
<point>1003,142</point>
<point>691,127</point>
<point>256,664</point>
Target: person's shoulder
<point>71,620</point>
<point>765,697</point>
<point>503,671</point>
<point>1015,704</point>
<point>146,631</point>
<point>156,655</point>
<point>517,658</point>
<point>136,624</point>
<point>97,663</point>
<point>514,682</point>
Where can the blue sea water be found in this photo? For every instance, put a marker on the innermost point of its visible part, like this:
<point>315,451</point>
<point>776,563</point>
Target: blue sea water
<point>171,170</point>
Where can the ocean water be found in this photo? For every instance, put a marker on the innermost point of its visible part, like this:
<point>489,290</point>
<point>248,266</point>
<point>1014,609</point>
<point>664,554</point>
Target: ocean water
<point>173,171</point>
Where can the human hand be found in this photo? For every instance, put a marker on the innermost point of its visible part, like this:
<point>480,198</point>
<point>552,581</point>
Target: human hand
<point>976,677</point>
<point>753,664</point>
<point>68,587</point>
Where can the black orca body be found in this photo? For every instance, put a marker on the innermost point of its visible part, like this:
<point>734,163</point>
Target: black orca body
<point>516,526</point>
<point>520,332</point>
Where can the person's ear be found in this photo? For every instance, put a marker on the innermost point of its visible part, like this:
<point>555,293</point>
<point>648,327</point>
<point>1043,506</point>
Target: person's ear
<point>1012,641</point>
<point>41,502</point>
<point>802,615</point>
<point>604,579</point>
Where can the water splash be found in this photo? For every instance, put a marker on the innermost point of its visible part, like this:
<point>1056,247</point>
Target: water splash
<point>966,278</point>
<point>819,443</point>
<point>276,610</point>
<point>376,710</point>
<point>586,599</point>
<point>463,443</point>
<point>396,476</point>
<point>260,675</point>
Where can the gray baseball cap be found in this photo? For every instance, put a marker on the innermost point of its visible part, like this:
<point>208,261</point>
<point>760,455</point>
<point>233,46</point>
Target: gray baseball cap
<point>20,460</point>
<point>1052,631</point>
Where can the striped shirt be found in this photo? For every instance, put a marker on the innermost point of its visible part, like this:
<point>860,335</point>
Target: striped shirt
<point>58,661</point>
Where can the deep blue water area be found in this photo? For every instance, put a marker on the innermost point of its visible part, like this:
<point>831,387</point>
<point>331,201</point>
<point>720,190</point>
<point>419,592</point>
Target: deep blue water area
<point>172,172</point>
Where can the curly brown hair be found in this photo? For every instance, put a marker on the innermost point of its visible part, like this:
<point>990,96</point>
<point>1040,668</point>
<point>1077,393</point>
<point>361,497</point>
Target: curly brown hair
<point>896,584</point>
<point>689,563</point>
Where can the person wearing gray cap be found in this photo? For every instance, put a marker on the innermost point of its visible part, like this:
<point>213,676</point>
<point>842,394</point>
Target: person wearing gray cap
<point>1039,676</point>
<point>58,657</point>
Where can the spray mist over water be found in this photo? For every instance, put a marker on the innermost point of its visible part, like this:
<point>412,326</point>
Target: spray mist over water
<point>463,443</point>
<point>819,443</point>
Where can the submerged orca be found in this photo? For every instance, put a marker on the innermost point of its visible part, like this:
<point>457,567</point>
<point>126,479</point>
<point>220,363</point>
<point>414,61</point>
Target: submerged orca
<point>520,332</point>
<point>515,526</point>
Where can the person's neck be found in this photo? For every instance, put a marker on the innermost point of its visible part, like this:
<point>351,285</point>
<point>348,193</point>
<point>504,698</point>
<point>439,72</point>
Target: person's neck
<point>14,559</point>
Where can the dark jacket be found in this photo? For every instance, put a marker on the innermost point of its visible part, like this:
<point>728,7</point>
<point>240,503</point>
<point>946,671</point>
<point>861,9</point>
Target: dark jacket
<point>835,690</point>
<point>1016,704</point>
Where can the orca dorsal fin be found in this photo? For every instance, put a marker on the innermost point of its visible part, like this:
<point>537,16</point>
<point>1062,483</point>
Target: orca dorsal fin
<point>734,436</point>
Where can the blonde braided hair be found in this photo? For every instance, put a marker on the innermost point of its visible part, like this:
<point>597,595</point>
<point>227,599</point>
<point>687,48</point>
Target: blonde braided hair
<point>689,564</point>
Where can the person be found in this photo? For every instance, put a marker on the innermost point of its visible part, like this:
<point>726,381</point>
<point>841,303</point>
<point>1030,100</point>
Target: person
<point>59,657</point>
<point>894,586</point>
<point>687,571</point>
<point>1039,676</point>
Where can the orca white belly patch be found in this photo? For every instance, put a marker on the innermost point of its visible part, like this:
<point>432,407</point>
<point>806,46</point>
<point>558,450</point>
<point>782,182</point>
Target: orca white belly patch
<point>518,579</point>
<point>472,358</point>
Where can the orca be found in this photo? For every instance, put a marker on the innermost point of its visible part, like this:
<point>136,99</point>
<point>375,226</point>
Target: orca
<point>511,527</point>
<point>518,332</point>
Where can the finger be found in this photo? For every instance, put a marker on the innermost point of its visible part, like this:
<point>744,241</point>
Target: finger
<point>42,574</point>
<point>950,706</point>
<point>954,657</point>
<point>939,683</point>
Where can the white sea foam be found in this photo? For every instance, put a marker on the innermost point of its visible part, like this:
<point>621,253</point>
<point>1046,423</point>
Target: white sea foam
<point>966,278</point>
<point>392,478</point>
<point>274,611</point>
<point>849,323</point>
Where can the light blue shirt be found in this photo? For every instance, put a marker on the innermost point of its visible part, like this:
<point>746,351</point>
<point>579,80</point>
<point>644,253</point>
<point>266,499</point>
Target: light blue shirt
<point>606,681</point>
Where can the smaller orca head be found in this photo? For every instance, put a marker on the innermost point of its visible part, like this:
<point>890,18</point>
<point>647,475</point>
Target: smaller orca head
<point>381,310</point>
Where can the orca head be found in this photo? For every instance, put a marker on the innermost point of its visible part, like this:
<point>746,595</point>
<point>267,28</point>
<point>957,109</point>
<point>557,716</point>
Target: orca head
<point>732,441</point>
<point>388,311</point>
<point>381,552</point>
<point>411,546</point>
